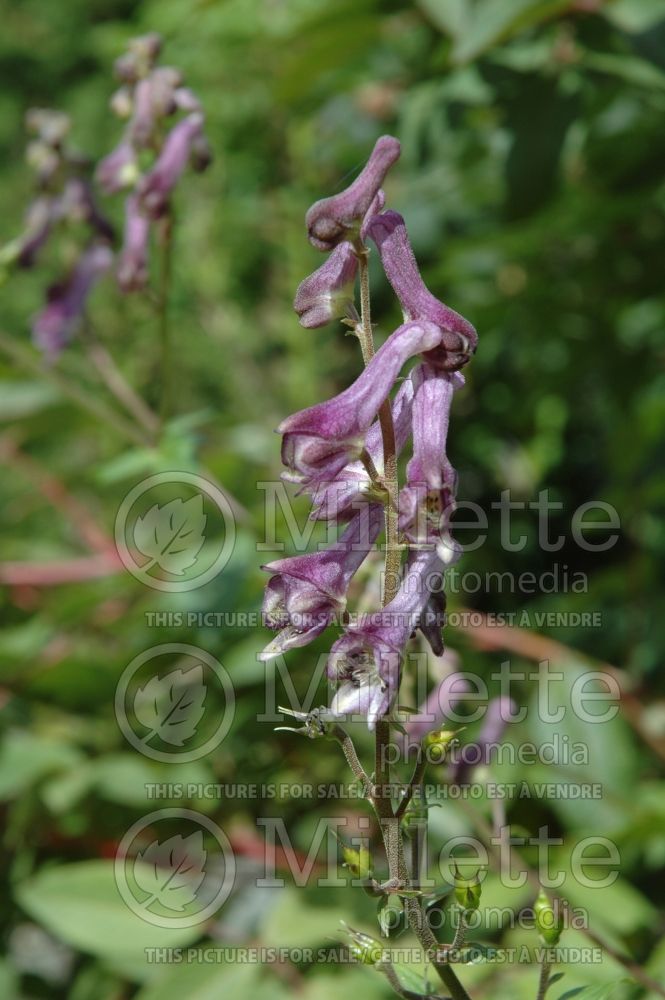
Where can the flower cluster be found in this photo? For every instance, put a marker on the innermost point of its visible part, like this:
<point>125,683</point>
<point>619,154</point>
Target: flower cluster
<point>64,203</point>
<point>334,452</point>
<point>152,154</point>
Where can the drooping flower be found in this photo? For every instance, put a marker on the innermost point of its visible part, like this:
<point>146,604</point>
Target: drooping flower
<point>132,270</point>
<point>327,293</point>
<point>333,220</point>
<point>306,593</point>
<point>119,169</point>
<point>53,327</point>
<point>156,187</point>
<point>366,661</point>
<point>336,500</point>
<point>319,441</point>
<point>426,502</point>
<point>459,338</point>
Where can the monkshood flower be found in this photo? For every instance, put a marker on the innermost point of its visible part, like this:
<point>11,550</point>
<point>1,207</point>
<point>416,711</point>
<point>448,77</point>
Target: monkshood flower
<point>319,441</point>
<point>459,338</point>
<point>53,327</point>
<point>155,188</point>
<point>306,593</point>
<point>327,294</point>
<point>366,661</point>
<point>332,220</point>
<point>119,169</point>
<point>337,500</point>
<point>427,500</point>
<point>132,269</point>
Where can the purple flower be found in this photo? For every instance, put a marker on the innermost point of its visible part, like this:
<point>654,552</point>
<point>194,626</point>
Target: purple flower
<point>366,660</point>
<point>327,293</point>
<point>78,204</point>
<point>154,99</point>
<point>38,225</point>
<point>306,593</point>
<point>427,500</point>
<point>336,500</point>
<point>332,220</point>
<point>319,441</point>
<point>156,187</point>
<point>53,327</point>
<point>119,169</point>
<point>132,271</point>
<point>459,339</point>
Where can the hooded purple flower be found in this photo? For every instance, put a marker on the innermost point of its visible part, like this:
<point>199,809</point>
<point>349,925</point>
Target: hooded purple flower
<point>154,99</point>
<point>319,441</point>
<point>427,500</point>
<point>54,325</point>
<point>332,220</point>
<point>459,338</point>
<point>132,271</point>
<point>336,500</point>
<point>119,169</point>
<point>327,294</point>
<point>366,660</point>
<point>157,185</point>
<point>306,593</point>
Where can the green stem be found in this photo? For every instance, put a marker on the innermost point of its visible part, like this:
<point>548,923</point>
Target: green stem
<point>118,385</point>
<point>29,361</point>
<point>544,980</point>
<point>163,295</point>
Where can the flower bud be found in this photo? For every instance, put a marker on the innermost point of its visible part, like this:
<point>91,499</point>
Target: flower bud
<point>467,891</point>
<point>364,947</point>
<point>549,919</point>
<point>437,743</point>
<point>359,862</point>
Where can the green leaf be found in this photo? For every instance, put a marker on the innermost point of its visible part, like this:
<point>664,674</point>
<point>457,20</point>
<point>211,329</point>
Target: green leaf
<point>80,904</point>
<point>25,758</point>
<point>477,27</point>
<point>596,992</point>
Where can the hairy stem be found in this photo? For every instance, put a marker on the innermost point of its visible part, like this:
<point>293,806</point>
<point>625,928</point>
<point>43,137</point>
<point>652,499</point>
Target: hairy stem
<point>352,758</point>
<point>460,933</point>
<point>544,980</point>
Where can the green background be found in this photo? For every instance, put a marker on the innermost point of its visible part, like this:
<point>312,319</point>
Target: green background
<point>532,183</point>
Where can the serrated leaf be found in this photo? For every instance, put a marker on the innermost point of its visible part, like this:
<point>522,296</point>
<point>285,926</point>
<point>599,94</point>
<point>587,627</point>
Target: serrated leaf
<point>172,536</point>
<point>172,872</point>
<point>171,706</point>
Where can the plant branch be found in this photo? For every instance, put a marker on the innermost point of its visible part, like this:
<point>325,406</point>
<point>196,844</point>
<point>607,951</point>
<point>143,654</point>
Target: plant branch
<point>29,361</point>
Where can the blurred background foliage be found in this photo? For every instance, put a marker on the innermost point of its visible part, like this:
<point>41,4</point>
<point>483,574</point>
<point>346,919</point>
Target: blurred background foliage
<point>532,184</point>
